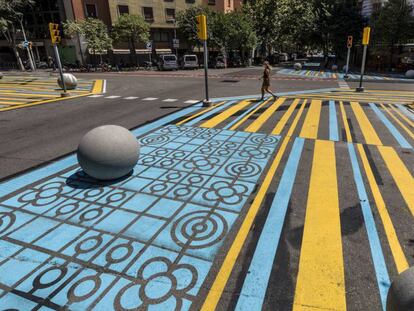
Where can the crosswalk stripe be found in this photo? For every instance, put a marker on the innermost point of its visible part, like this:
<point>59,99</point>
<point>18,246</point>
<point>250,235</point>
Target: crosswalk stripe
<point>130,97</point>
<point>405,128</point>
<point>199,113</point>
<point>95,96</point>
<point>170,100</point>
<point>311,124</point>
<point>395,246</point>
<point>401,175</point>
<point>282,122</point>
<point>321,282</point>
<point>112,96</point>
<point>345,121</point>
<point>333,122</point>
<point>255,284</point>
<point>261,120</point>
<point>410,122</point>
<point>226,114</point>
<point>367,129</point>
<point>150,98</point>
<point>247,116</point>
<point>191,101</point>
<point>210,113</point>
<point>214,294</point>
<point>243,115</point>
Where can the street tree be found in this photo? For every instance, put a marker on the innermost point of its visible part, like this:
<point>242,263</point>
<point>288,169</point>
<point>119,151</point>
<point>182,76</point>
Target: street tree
<point>393,25</point>
<point>186,22</point>
<point>11,13</point>
<point>93,31</point>
<point>132,29</point>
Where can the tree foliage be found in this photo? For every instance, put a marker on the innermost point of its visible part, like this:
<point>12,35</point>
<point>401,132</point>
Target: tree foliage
<point>94,32</point>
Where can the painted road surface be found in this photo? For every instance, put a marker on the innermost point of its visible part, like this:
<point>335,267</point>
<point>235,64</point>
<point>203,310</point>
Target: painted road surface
<point>299,203</point>
<point>26,91</point>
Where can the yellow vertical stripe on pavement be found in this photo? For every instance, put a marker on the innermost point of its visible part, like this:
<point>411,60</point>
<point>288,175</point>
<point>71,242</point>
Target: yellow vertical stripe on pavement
<point>411,123</point>
<point>282,122</point>
<point>405,128</point>
<point>199,113</point>
<point>345,121</point>
<point>311,124</point>
<point>401,175</point>
<point>223,274</point>
<point>235,126</point>
<point>226,114</point>
<point>367,129</point>
<point>97,87</point>
<point>258,123</point>
<point>397,252</point>
<point>321,281</point>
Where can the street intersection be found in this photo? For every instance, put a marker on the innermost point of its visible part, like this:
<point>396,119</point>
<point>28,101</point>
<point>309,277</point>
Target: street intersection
<point>299,203</point>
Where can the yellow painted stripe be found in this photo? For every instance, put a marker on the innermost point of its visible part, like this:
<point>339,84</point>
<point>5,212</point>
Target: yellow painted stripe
<point>27,95</point>
<point>307,73</point>
<point>18,100</point>
<point>401,175</point>
<point>226,114</point>
<point>345,120</point>
<point>406,129</point>
<point>258,123</point>
<point>411,123</point>
<point>311,124</point>
<point>321,282</point>
<point>199,113</point>
<point>235,126</point>
<point>367,129</point>
<point>396,249</point>
<point>282,122</point>
<point>97,87</point>
<point>223,274</point>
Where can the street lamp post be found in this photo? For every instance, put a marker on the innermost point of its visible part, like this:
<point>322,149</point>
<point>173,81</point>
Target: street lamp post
<point>27,47</point>
<point>172,20</point>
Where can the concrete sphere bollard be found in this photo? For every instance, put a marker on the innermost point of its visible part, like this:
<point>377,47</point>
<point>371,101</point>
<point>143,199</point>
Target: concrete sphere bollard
<point>70,81</point>
<point>409,74</point>
<point>1,75</point>
<point>334,67</point>
<point>108,152</point>
<point>401,293</point>
<point>297,66</point>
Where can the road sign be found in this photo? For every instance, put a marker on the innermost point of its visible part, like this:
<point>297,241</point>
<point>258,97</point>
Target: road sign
<point>25,44</point>
<point>176,43</point>
<point>350,39</point>
<point>367,33</point>
<point>54,33</point>
<point>148,45</point>
<point>201,22</point>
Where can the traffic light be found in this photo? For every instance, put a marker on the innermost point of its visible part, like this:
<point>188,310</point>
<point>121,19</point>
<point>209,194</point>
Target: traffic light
<point>201,22</point>
<point>350,39</point>
<point>54,33</point>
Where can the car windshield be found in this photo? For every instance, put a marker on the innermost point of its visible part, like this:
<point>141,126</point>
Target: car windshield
<point>190,58</point>
<point>169,58</point>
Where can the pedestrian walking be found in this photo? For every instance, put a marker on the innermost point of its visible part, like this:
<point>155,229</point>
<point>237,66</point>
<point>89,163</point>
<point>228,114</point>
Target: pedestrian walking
<point>266,80</point>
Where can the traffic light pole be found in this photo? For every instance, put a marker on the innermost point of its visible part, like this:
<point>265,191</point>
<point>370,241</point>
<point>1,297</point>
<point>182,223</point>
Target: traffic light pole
<point>347,63</point>
<point>364,58</point>
<point>64,94</point>
<point>207,102</point>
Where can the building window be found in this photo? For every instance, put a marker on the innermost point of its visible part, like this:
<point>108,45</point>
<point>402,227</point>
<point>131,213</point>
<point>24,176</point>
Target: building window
<point>91,10</point>
<point>189,1</point>
<point>148,15</point>
<point>123,9</point>
<point>211,2</point>
<point>170,15</point>
<point>229,3</point>
<point>168,0</point>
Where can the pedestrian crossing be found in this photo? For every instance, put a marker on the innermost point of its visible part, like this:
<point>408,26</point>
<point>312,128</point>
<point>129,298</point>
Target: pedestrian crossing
<point>339,75</point>
<point>25,91</point>
<point>166,100</point>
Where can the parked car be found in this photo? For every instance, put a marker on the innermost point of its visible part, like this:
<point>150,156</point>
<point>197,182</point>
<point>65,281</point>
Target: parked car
<point>167,62</point>
<point>217,62</point>
<point>190,62</point>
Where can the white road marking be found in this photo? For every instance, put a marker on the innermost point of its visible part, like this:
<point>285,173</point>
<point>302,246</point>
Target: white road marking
<point>130,97</point>
<point>104,86</point>
<point>191,101</point>
<point>170,100</point>
<point>96,95</point>
<point>113,96</point>
<point>150,98</point>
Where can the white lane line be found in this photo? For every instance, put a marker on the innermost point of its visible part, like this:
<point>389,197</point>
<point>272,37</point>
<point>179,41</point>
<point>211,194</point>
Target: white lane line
<point>112,96</point>
<point>96,95</point>
<point>191,101</point>
<point>130,97</point>
<point>104,86</point>
<point>170,100</point>
<point>150,98</point>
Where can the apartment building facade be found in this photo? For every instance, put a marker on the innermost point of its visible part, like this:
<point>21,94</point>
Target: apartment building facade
<point>368,7</point>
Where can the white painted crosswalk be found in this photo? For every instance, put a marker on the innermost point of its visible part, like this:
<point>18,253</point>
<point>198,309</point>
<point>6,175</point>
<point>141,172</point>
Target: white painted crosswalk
<point>112,96</point>
<point>166,100</point>
<point>131,97</point>
<point>150,98</point>
<point>170,100</point>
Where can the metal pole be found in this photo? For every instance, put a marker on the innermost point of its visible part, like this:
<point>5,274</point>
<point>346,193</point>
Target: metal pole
<point>207,100</point>
<point>364,57</point>
<point>60,69</point>
<point>175,37</point>
<point>27,48</point>
<point>347,63</point>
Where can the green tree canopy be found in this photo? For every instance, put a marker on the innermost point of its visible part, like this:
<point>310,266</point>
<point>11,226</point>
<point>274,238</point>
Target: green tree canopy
<point>186,21</point>
<point>94,32</point>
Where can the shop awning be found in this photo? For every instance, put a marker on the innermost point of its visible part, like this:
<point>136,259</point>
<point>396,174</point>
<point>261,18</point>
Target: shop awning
<point>163,51</point>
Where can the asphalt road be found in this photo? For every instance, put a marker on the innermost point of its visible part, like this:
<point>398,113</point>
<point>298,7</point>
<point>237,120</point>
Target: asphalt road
<point>37,135</point>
